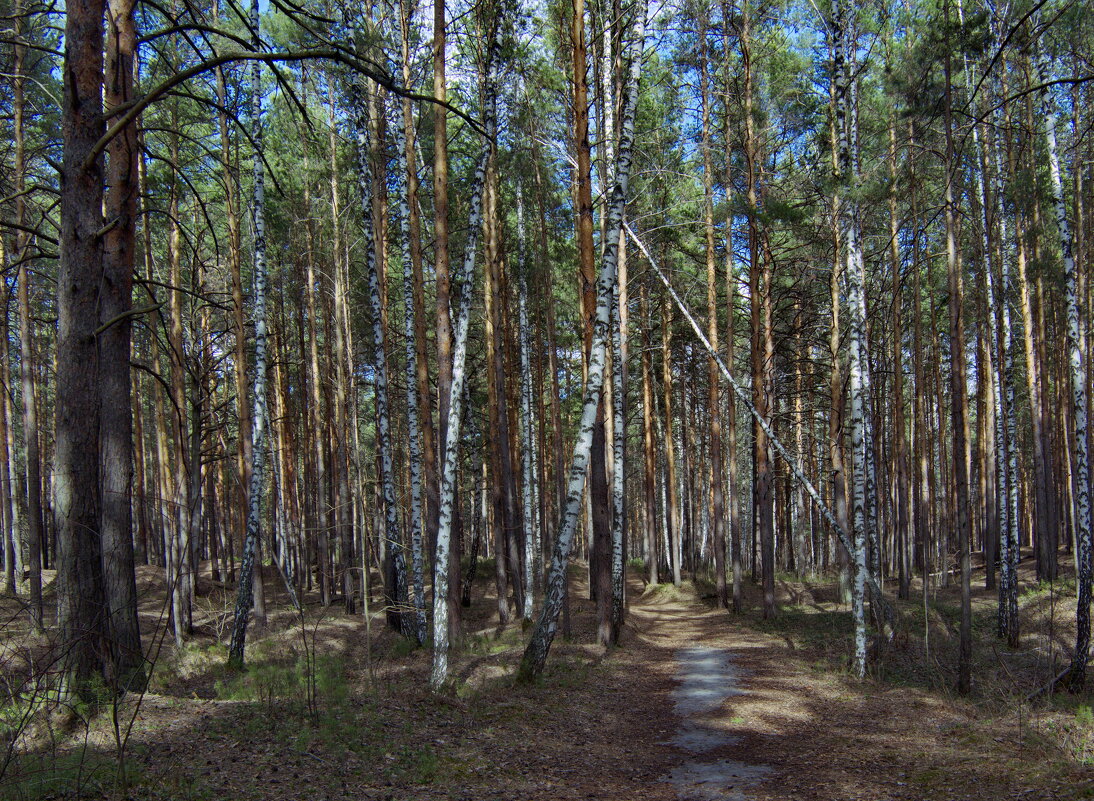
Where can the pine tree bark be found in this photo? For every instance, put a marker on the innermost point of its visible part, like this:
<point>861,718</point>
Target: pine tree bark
<point>650,458</point>
<point>717,506</point>
<point>114,335</point>
<point>445,342</point>
<point>82,611</point>
<point>674,518</point>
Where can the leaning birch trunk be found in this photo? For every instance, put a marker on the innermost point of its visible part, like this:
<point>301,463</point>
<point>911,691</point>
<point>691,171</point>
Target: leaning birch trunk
<point>1077,673</point>
<point>856,297</point>
<point>535,655</point>
<point>397,592</point>
<point>742,394</point>
<point>413,423</point>
<point>439,672</point>
<point>531,553</point>
<point>245,593</point>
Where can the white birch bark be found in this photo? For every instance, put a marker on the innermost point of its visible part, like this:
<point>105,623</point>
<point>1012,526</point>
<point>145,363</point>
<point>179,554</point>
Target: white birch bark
<point>531,552</point>
<point>413,425</point>
<point>1008,585</point>
<point>618,392</point>
<point>245,593</point>
<point>535,655</point>
<point>439,672</point>
<point>619,439</point>
<point>856,300</point>
<point>391,533</point>
<point>1077,672</point>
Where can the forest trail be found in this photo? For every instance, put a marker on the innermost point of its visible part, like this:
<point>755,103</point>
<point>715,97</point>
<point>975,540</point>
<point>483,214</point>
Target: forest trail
<point>768,721</point>
<point>695,705</point>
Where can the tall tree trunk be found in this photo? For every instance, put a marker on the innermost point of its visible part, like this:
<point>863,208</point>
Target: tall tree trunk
<point>717,506</point>
<point>247,569</point>
<point>396,585</point>
<point>1077,672</point>
<point>235,245</point>
<point>115,326</point>
<point>179,533</point>
<point>32,564</point>
<point>856,296</point>
<point>81,597</point>
<point>650,459</point>
<point>445,341</point>
<point>500,453</point>
<point>441,591</point>
<point>600,556</point>
<point>429,443</point>
<point>531,549</point>
<point>731,315</point>
<point>759,275</point>
<point>900,455</point>
<point>1008,574</point>
<point>535,655</point>
<point>316,423</point>
<point>673,517</point>
<point>958,397</point>
<point>417,512</point>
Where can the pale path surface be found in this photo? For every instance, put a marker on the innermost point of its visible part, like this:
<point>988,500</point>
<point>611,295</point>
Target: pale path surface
<point>707,678</point>
<point>755,718</point>
<point>708,766</point>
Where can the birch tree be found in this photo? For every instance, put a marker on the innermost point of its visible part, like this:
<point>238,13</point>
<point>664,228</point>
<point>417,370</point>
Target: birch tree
<point>535,654</point>
<point>856,301</point>
<point>1076,676</point>
<point>416,513</point>
<point>531,540</point>
<point>439,671</point>
<point>396,586</point>
<point>245,591</point>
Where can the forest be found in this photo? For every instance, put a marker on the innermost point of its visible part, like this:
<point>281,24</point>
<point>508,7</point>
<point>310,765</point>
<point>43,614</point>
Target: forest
<point>570,399</point>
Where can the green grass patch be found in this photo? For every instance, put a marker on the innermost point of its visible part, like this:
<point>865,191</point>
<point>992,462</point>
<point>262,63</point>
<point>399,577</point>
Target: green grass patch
<point>35,777</point>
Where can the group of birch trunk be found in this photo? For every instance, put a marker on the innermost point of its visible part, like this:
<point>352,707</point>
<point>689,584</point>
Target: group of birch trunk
<point>311,322</point>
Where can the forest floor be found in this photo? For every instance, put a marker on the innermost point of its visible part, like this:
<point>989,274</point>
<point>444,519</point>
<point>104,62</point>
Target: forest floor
<point>333,709</point>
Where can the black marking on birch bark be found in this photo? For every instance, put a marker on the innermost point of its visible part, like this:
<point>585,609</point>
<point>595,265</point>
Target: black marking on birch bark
<point>245,593</point>
<point>535,654</point>
<point>413,413</point>
<point>1077,672</point>
<point>439,671</point>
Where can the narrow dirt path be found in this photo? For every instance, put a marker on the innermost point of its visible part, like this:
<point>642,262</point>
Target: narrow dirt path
<point>757,721</point>
<point>686,642</point>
